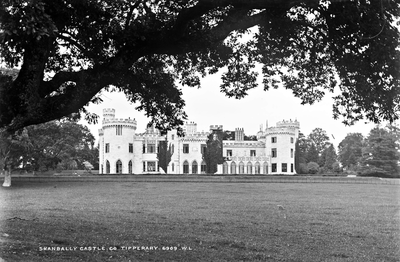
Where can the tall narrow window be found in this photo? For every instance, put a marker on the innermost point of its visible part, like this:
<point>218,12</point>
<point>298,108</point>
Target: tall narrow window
<point>151,166</point>
<point>194,167</point>
<point>118,130</point>
<point>252,152</point>
<point>292,140</point>
<point>186,148</point>
<point>203,167</point>
<point>228,152</point>
<point>130,167</point>
<point>249,168</point>
<point>108,167</point>
<point>241,168</point>
<point>225,168</point>
<point>118,167</point>
<point>273,168</point>
<point>274,152</point>
<point>291,152</point>
<point>274,139</point>
<point>107,148</point>
<point>203,148</point>
<point>173,167</point>
<point>151,148</point>
<point>265,168</point>
<point>257,169</point>
<point>291,168</point>
<point>284,167</point>
<point>233,168</point>
<point>186,167</point>
<point>130,148</point>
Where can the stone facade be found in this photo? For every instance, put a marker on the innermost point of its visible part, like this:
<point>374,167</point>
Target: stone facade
<point>122,150</point>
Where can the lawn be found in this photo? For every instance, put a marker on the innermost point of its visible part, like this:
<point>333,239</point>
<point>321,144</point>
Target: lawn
<point>212,221</point>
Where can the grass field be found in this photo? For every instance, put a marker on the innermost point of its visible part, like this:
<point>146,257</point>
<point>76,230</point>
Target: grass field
<point>213,221</point>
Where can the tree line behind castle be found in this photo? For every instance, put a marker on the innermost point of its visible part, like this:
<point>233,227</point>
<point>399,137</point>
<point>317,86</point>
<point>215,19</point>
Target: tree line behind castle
<point>64,145</point>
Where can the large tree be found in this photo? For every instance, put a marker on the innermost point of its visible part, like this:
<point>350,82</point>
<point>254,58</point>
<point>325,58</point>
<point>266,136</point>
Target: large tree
<point>381,154</point>
<point>350,150</point>
<point>68,51</point>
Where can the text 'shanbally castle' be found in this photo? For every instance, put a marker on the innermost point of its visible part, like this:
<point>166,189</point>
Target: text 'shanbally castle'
<point>123,151</point>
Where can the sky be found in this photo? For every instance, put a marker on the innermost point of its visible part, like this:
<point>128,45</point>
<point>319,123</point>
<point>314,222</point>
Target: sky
<point>208,106</point>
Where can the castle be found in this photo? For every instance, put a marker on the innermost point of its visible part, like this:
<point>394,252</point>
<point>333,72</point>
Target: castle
<point>123,151</point>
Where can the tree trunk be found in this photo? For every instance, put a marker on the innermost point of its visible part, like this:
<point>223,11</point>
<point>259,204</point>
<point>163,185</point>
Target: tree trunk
<point>7,178</point>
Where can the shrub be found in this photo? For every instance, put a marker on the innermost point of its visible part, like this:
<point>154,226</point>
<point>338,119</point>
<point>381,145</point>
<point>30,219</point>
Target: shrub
<point>313,168</point>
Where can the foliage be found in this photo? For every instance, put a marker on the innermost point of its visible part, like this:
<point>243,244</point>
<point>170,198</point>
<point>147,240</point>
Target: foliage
<point>301,148</point>
<point>303,169</point>
<point>330,157</point>
<point>63,143</point>
<point>336,167</point>
<point>68,51</point>
<point>350,149</point>
<point>164,154</point>
<point>319,138</point>
<point>213,155</point>
<point>381,153</point>
<point>312,154</point>
<point>313,167</point>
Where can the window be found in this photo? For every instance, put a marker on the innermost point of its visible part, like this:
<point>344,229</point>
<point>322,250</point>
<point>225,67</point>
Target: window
<point>130,167</point>
<point>186,167</point>
<point>144,149</point>
<point>130,148</point>
<point>118,167</point>
<point>118,130</point>
<point>241,168</point>
<point>225,168</point>
<point>233,168</point>
<point>249,168</point>
<point>203,167</point>
<point>144,166</point>
<point>252,152</point>
<point>291,168</point>
<point>228,152</point>
<point>203,148</point>
<point>173,167</point>
<point>151,166</point>
<point>186,148</point>
<point>107,167</point>
<point>274,152</point>
<point>274,139</point>
<point>151,148</point>
<point>273,168</point>
<point>257,169</point>
<point>107,148</point>
<point>284,167</point>
<point>172,137</point>
<point>265,168</point>
<point>194,167</point>
<point>292,140</point>
<point>172,149</point>
<point>291,152</point>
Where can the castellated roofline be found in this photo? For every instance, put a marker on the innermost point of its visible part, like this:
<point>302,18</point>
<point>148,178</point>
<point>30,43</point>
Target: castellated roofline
<point>119,121</point>
<point>216,127</point>
<point>288,123</point>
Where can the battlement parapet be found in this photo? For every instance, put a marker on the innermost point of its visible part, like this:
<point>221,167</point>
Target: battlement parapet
<point>288,123</point>
<point>119,121</point>
<point>280,131</point>
<point>101,132</point>
<point>216,127</point>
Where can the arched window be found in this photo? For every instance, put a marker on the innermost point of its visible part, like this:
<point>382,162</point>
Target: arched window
<point>233,168</point>
<point>249,168</point>
<point>172,149</point>
<point>173,167</point>
<point>130,167</point>
<point>265,168</point>
<point>186,167</point>
<point>203,167</point>
<point>241,168</point>
<point>118,167</point>
<point>107,167</point>
<point>257,168</point>
<point>194,167</point>
<point>225,168</point>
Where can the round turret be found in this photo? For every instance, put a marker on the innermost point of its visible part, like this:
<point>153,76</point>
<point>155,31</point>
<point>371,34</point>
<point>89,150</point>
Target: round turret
<point>108,113</point>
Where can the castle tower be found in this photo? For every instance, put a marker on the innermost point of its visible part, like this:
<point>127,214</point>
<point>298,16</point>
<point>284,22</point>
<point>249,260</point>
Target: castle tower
<point>280,146</point>
<point>190,128</point>
<point>116,143</point>
<point>239,134</point>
